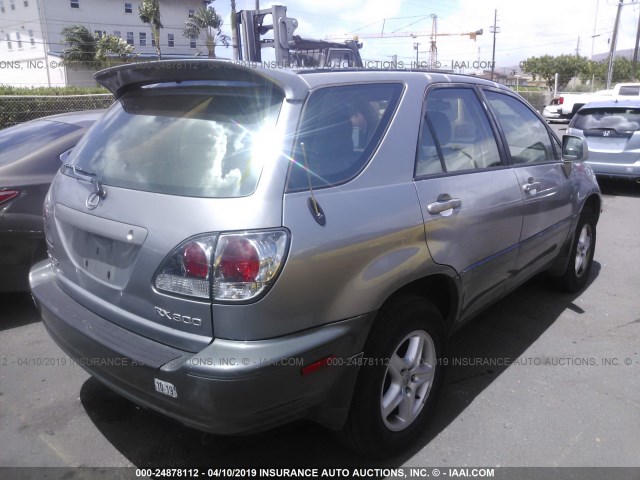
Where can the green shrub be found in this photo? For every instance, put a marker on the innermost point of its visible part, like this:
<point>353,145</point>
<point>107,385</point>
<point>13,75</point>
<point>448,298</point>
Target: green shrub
<point>9,90</point>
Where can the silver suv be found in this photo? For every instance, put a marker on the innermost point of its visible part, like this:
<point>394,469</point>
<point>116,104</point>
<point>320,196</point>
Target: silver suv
<point>238,247</point>
<point>611,130</point>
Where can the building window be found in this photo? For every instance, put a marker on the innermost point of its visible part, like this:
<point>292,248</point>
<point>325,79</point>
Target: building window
<point>75,3</point>
<point>117,33</point>
<point>19,40</point>
<point>130,38</point>
<point>32,39</point>
<point>192,42</point>
<point>143,39</point>
<point>172,42</point>
<point>8,42</point>
<point>13,4</point>
<point>153,41</point>
<point>26,3</point>
<point>191,12</point>
<point>2,6</point>
<point>128,7</point>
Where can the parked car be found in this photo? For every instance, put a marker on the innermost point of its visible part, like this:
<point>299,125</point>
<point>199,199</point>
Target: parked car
<point>565,105</point>
<point>29,159</point>
<point>612,133</point>
<point>239,247</point>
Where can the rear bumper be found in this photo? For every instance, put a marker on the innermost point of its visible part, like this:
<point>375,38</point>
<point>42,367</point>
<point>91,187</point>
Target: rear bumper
<point>553,113</point>
<point>230,387</point>
<point>616,170</point>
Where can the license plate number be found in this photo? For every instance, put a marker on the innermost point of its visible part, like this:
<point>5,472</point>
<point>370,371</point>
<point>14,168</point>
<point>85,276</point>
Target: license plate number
<point>165,388</point>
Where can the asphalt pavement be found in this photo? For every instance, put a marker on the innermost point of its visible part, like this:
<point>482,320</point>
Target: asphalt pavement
<point>540,379</point>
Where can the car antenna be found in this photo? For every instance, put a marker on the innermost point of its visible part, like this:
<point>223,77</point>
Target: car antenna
<point>314,206</point>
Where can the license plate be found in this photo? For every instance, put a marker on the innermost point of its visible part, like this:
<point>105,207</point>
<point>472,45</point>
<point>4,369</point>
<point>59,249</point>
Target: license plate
<point>165,388</point>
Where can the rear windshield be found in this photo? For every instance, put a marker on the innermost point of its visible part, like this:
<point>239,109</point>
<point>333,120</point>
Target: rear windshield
<point>629,90</point>
<point>617,118</point>
<point>191,141</point>
<point>20,140</point>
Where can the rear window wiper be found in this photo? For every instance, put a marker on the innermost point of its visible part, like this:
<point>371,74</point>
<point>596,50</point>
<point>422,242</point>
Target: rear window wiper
<point>85,176</point>
<point>82,175</point>
<point>79,173</point>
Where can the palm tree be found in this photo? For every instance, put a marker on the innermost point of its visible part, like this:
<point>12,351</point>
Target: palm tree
<point>150,13</point>
<point>110,46</point>
<point>206,24</point>
<point>80,45</point>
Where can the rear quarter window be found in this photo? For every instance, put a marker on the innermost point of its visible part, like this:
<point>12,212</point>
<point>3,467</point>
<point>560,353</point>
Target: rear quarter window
<point>340,130</point>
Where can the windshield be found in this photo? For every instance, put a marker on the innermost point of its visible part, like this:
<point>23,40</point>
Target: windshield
<point>619,119</point>
<point>200,142</point>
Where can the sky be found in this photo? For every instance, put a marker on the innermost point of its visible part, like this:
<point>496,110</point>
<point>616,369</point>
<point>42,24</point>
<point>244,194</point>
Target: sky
<point>526,28</point>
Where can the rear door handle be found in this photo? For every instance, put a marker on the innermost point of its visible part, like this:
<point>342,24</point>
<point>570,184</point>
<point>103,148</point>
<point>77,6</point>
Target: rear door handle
<point>444,203</point>
<point>531,186</point>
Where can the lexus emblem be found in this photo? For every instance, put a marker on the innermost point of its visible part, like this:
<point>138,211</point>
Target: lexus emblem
<point>94,197</point>
<point>606,133</point>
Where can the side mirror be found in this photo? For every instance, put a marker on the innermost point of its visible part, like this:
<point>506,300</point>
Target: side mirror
<point>63,157</point>
<point>574,149</point>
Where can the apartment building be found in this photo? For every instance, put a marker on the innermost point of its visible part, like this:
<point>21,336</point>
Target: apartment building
<point>31,41</point>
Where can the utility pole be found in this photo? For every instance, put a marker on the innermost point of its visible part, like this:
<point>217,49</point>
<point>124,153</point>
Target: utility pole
<point>416,46</point>
<point>578,48</point>
<point>234,30</point>
<point>595,23</point>
<point>613,46</point>
<point>635,51</point>
<point>433,51</point>
<point>493,55</point>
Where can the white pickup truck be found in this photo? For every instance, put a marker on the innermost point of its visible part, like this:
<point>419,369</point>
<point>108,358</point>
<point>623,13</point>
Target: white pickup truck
<point>565,105</point>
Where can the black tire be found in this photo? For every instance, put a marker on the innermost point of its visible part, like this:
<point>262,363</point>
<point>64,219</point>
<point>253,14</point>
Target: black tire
<point>578,269</point>
<point>408,322</point>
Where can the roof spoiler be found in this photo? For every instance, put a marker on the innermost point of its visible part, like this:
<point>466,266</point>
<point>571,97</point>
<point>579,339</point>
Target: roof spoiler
<point>133,75</point>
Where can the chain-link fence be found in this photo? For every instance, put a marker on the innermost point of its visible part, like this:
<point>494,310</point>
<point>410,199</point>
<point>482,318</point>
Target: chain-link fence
<point>16,109</point>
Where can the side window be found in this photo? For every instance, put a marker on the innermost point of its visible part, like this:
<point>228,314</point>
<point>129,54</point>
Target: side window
<point>338,133</point>
<point>527,136</point>
<point>463,137</point>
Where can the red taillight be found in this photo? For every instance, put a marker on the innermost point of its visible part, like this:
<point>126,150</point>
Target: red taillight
<point>187,270</point>
<point>239,261</point>
<point>6,195</point>
<point>195,261</point>
<point>560,100</point>
<point>239,266</point>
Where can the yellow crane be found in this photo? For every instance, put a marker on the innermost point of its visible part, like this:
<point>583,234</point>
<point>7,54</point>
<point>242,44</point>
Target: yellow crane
<point>433,51</point>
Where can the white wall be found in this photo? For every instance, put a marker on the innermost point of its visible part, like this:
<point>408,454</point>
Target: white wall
<point>38,63</point>
<point>109,16</point>
<point>22,65</point>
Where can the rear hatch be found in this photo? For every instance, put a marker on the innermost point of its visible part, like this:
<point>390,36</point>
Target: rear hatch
<point>612,133</point>
<point>133,218</point>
